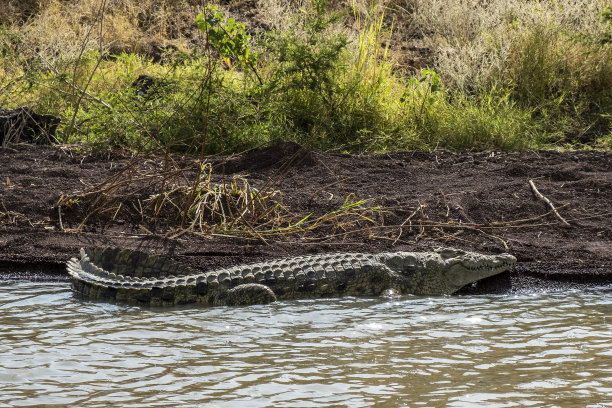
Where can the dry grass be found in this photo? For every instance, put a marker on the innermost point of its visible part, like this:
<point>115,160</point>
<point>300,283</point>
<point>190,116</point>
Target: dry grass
<point>277,14</point>
<point>15,12</point>
<point>62,29</point>
<point>473,40</point>
<point>162,198</point>
<point>461,34</point>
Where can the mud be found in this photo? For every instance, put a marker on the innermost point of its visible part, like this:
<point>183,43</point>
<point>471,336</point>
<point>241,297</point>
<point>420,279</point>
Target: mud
<point>476,201</point>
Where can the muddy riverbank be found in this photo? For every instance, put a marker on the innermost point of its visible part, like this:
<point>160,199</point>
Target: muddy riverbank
<point>475,201</point>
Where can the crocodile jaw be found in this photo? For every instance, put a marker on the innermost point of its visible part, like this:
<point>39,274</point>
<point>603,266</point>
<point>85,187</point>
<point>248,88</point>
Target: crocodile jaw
<point>467,270</point>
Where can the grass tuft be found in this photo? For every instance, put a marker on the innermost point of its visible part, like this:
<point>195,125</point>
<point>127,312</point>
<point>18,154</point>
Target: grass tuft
<point>161,196</point>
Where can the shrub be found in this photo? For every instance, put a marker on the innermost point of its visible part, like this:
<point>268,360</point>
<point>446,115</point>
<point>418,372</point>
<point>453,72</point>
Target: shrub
<point>508,75</point>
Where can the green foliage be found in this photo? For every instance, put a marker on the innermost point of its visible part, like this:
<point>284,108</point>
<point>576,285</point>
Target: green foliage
<point>172,115</point>
<point>421,93</point>
<point>604,142</point>
<point>229,38</point>
<point>310,83</point>
<point>493,121</point>
<point>317,90</point>
<point>307,67</point>
<point>438,117</point>
<point>9,41</point>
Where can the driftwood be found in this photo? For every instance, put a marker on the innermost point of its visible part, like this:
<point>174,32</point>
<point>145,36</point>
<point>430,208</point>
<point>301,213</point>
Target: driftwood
<point>547,201</point>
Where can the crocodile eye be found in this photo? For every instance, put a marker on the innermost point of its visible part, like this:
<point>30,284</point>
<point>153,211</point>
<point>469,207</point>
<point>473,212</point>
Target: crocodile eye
<point>401,261</point>
<point>449,252</point>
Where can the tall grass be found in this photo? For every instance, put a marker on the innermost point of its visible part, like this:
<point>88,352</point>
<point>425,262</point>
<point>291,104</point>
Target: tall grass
<point>551,58</point>
<point>501,75</point>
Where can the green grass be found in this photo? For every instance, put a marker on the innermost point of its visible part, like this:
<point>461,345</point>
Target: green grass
<point>545,86</point>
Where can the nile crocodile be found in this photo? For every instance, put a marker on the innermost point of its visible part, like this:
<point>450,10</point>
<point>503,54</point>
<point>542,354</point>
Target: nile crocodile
<point>136,277</point>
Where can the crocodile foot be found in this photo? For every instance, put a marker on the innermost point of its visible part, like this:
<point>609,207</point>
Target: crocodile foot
<point>246,294</point>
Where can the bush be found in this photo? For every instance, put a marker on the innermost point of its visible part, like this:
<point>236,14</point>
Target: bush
<point>313,86</point>
<point>528,75</point>
<point>566,82</point>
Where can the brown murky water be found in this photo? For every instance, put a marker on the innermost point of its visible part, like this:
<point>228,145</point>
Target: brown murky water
<point>538,350</point>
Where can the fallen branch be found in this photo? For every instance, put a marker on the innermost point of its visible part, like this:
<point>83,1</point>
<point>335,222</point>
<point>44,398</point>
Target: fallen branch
<point>59,214</point>
<point>547,201</point>
<point>401,228</point>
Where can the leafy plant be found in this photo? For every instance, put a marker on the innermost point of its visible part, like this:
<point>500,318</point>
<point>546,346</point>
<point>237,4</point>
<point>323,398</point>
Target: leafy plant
<point>228,37</point>
<point>318,88</point>
<point>421,93</point>
<point>306,63</point>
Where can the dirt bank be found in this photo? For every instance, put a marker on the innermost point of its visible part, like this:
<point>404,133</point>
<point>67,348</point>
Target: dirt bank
<point>476,201</point>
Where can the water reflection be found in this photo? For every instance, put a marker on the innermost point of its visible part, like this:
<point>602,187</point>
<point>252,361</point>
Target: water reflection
<point>545,349</point>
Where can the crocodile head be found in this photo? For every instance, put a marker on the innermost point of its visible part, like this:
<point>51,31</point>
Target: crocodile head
<point>463,268</point>
<point>444,270</point>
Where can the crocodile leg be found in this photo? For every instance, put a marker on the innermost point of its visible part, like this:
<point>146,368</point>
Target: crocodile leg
<point>246,294</point>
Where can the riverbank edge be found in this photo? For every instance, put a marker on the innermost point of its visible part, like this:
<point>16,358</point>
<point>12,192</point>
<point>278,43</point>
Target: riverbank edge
<point>477,186</point>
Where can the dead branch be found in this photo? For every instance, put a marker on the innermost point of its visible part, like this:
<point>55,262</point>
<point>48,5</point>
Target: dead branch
<point>547,201</point>
<point>401,229</point>
<point>59,214</point>
<point>520,221</point>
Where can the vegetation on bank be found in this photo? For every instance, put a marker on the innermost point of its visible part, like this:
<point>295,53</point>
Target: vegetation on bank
<point>185,76</point>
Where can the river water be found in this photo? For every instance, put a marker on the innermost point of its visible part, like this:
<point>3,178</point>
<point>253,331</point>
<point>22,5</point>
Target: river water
<point>530,350</point>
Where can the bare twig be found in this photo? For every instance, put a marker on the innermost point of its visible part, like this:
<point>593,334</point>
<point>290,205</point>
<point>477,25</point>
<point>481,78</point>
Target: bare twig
<point>445,203</point>
<point>327,186</point>
<point>69,83</point>
<point>100,19</point>
<point>495,237</point>
<point>59,214</point>
<point>401,228</point>
<point>547,201</point>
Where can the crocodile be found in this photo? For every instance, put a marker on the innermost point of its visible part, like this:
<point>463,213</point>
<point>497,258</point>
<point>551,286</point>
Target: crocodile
<point>135,277</point>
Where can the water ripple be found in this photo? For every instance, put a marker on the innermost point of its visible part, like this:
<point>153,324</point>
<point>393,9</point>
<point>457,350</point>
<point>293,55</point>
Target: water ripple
<point>543,349</point>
